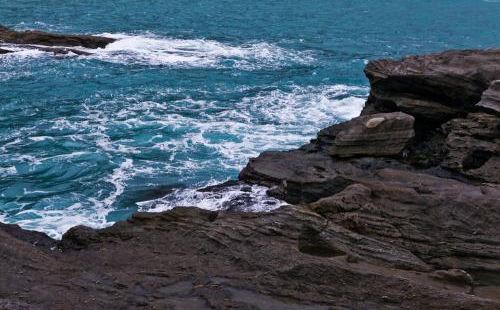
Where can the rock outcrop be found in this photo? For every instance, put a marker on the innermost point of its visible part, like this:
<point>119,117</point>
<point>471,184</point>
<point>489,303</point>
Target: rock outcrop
<point>433,88</point>
<point>50,39</point>
<point>396,209</point>
<point>51,42</point>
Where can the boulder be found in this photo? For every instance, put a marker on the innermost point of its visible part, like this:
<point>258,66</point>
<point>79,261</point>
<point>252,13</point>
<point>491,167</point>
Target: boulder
<point>383,134</point>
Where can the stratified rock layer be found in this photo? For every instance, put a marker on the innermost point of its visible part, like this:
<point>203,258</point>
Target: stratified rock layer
<point>383,134</point>
<point>397,209</point>
<point>433,88</point>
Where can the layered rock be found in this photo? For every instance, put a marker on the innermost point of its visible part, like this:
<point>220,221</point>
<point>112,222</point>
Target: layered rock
<point>188,258</point>
<point>433,88</point>
<point>383,134</point>
<point>438,195</point>
<point>396,209</point>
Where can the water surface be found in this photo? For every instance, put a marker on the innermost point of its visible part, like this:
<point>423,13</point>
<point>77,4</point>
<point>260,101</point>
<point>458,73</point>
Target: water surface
<point>189,92</point>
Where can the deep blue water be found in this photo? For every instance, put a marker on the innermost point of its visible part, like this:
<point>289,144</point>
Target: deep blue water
<point>190,91</point>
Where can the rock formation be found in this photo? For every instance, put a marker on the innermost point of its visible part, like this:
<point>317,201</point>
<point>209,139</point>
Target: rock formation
<point>396,209</point>
<point>50,42</point>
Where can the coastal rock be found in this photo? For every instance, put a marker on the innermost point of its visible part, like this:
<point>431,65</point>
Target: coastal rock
<point>433,88</point>
<point>473,146</point>
<point>369,230</point>
<point>383,134</point>
<point>189,258</point>
<point>490,100</point>
<point>50,39</point>
<point>2,51</point>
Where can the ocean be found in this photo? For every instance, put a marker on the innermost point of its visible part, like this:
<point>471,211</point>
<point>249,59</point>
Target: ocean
<point>189,92</point>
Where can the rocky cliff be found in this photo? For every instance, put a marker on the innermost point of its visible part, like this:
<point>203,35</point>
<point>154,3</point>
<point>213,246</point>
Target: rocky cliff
<point>396,209</point>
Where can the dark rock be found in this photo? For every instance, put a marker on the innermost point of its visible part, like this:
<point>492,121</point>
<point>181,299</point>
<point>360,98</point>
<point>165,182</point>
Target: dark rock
<point>472,146</point>
<point>79,237</point>
<point>383,134</point>
<point>290,258</point>
<point>35,238</point>
<point>433,88</point>
<point>2,51</point>
<point>50,39</point>
<point>299,176</point>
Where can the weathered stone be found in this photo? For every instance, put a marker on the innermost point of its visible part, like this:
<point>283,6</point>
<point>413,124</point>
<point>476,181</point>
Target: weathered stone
<point>433,88</point>
<point>472,146</point>
<point>383,134</point>
<point>490,101</point>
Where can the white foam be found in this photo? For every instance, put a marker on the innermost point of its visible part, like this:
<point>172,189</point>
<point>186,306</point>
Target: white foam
<point>195,53</point>
<point>118,178</point>
<point>257,201</point>
<point>56,222</point>
<point>182,132</point>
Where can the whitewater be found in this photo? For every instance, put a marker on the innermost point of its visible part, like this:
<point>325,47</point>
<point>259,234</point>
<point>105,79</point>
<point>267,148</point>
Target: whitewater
<point>187,94</point>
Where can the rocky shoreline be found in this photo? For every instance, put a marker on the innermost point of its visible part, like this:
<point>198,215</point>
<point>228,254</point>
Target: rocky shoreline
<point>396,209</point>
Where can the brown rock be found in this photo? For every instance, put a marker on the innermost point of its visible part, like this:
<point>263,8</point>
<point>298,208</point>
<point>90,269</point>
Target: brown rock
<point>472,146</point>
<point>383,134</point>
<point>432,88</point>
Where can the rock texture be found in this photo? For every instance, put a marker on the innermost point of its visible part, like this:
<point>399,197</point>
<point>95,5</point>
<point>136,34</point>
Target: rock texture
<point>383,134</point>
<point>433,88</point>
<point>490,99</point>
<point>396,209</point>
<point>50,42</point>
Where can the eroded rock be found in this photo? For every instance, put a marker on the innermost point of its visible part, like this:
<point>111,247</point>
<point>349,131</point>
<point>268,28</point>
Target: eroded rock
<point>383,134</point>
<point>490,99</point>
<point>433,88</point>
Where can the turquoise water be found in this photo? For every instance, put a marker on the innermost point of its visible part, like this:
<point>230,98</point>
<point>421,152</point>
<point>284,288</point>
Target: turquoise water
<point>189,92</point>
